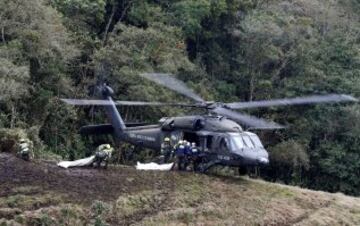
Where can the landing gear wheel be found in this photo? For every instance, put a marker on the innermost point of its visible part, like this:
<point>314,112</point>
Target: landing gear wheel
<point>242,171</point>
<point>253,172</point>
<point>128,155</point>
<point>205,167</point>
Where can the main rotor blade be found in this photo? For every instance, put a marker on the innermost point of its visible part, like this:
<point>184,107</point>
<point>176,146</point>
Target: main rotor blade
<point>84,102</point>
<point>143,103</point>
<point>248,120</point>
<point>332,98</point>
<point>172,83</point>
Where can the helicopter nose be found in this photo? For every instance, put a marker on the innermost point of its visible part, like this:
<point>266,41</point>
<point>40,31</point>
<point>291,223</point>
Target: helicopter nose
<point>263,161</point>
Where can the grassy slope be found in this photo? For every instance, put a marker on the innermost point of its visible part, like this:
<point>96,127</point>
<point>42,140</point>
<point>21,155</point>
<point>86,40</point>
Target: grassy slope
<point>192,199</point>
<point>234,201</point>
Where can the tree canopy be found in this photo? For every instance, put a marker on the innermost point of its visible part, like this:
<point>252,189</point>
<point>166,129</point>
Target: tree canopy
<point>227,50</point>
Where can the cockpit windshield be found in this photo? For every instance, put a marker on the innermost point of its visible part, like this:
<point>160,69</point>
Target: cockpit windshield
<point>256,141</point>
<point>245,140</point>
<point>248,142</point>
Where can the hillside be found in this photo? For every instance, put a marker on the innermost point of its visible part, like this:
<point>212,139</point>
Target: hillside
<point>39,193</point>
<point>224,50</point>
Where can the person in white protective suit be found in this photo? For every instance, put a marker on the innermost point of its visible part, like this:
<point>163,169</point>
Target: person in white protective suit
<point>24,149</point>
<point>103,154</point>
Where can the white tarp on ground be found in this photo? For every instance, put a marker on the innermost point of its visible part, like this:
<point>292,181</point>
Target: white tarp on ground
<point>81,162</point>
<point>154,166</point>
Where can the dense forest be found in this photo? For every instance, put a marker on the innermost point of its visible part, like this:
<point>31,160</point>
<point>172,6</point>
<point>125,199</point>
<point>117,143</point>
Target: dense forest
<point>226,50</point>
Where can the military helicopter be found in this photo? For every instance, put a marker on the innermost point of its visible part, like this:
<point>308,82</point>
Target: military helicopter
<point>217,133</point>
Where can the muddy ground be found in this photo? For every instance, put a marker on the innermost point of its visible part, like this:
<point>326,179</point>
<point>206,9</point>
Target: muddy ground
<point>40,193</point>
<point>79,184</point>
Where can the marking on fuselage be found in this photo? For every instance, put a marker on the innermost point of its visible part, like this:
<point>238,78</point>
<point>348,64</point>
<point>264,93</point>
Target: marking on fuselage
<point>224,157</point>
<point>142,137</point>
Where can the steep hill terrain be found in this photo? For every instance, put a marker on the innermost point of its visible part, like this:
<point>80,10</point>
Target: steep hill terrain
<point>40,193</point>
<point>225,50</point>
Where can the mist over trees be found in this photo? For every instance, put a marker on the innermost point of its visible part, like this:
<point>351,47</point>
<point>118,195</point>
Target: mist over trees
<point>226,50</point>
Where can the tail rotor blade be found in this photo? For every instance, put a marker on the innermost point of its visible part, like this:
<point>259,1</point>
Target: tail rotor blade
<point>172,83</point>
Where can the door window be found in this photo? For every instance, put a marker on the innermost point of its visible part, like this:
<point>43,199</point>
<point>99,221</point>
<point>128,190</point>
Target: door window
<point>223,145</point>
<point>209,142</point>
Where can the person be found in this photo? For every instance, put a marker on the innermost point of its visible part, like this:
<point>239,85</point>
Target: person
<point>103,154</point>
<point>24,149</point>
<point>188,154</point>
<point>195,154</point>
<point>166,150</point>
<point>180,154</point>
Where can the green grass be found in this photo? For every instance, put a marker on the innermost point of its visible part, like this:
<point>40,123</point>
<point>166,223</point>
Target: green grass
<point>194,199</point>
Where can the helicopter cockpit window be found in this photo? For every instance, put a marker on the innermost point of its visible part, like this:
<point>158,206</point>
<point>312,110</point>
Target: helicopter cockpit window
<point>256,141</point>
<point>238,142</point>
<point>248,142</point>
<point>241,141</point>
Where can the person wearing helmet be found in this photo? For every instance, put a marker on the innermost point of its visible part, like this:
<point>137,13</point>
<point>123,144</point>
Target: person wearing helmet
<point>166,150</point>
<point>195,154</point>
<point>103,154</point>
<point>24,149</point>
<point>180,155</point>
<point>188,154</point>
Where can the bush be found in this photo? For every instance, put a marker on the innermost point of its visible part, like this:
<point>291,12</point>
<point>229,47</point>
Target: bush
<point>9,137</point>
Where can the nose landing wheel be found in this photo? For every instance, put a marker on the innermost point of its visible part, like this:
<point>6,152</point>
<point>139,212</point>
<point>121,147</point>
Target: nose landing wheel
<point>242,171</point>
<point>251,171</point>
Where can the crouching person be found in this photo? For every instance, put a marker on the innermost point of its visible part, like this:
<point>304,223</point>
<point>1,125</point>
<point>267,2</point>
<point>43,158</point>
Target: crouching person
<point>24,149</point>
<point>103,154</point>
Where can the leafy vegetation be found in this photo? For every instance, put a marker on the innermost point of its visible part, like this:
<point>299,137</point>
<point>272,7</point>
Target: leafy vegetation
<point>227,50</point>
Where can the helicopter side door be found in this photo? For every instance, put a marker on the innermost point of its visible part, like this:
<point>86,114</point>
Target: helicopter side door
<point>222,148</point>
<point>221,144</point>
<point>191,137</point>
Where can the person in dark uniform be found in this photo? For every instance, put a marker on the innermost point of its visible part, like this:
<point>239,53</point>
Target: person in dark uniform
<point>103,154</point>
<point>180,154</point>
<point>196,158</point>
<point>188,154</point>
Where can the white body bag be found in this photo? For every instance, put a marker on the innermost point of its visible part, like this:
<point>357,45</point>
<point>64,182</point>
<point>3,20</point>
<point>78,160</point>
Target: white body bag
<point>81,162</point>
<point>154,166</point>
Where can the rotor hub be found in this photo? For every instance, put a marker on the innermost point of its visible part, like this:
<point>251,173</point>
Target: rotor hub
<point>107,91</point>
<point>212,104</point>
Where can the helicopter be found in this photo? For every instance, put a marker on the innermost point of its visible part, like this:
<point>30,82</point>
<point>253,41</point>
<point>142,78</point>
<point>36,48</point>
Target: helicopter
<point>218,133</point>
